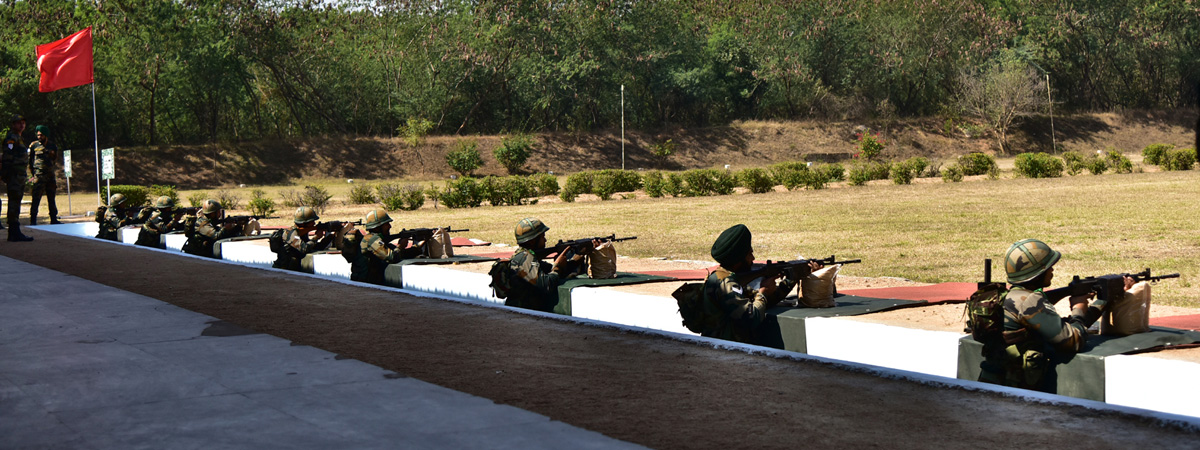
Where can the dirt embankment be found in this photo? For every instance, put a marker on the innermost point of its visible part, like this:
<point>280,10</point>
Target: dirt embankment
<point>739,145</point>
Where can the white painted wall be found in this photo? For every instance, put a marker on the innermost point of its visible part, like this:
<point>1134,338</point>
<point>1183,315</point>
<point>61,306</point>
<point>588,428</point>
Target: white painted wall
<point>922,351</point>
<point>441,280</point>
<point>639,310</point>
<point>334,265</point>
<point>1152,383</point>
<point>246,252</point>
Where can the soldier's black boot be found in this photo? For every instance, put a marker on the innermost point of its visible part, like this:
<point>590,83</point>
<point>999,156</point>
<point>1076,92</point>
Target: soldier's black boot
<point>15,235</point>
<point>54,220</point>
<point>32,220</point>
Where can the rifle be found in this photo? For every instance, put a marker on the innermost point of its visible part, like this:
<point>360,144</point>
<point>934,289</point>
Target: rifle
<point>797,268</point>
<point>575,246</point>
<point>240,220</point>
<point>1106,287</point>
<point>419,234</point>
<point>189,211</point>
<point>334,226</point>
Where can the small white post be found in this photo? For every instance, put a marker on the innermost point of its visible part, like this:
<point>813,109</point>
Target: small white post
<point>622,127</point>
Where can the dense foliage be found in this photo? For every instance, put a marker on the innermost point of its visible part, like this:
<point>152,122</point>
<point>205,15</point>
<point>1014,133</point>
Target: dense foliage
<point>189,71</point>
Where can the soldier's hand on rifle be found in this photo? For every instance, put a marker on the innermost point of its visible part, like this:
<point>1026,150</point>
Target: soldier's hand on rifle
<point>228,224</point>
<point>1129,282</point>
<point>768,286</point>
<point>1077,300</point>
<point>402,243</point>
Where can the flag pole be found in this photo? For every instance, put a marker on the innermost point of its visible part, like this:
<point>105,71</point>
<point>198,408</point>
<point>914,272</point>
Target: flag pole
<point>96,135</point>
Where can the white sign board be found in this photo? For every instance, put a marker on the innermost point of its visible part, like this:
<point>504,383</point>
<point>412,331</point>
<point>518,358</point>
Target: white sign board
<point>67,163</point>
<point>107,164</point>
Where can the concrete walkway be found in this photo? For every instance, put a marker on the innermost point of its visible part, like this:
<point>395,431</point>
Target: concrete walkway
<point>83,365</point>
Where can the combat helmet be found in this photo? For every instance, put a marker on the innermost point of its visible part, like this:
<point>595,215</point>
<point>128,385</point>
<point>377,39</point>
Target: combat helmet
<point>164,202</point>
<point>1028,259</point>
<point>116,200</point>
<point>305,214</point>
<point>376,218</point>
<point>210,206</point>
<point>529,229</point>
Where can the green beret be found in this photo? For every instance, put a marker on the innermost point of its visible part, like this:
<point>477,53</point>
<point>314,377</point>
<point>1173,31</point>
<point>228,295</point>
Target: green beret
<point>43,129</point>
<point>732,246</point>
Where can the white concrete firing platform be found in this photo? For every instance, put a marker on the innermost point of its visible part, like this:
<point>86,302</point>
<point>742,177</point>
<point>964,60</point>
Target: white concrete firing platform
<point>83,365</point>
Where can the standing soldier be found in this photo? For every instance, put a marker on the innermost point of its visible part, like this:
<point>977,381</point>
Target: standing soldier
<point>14,174</point>
<point>294,242</point>
<point>42,156</point>
<point>163,221</point>
<point>209,229</point>
<point>374,250</point>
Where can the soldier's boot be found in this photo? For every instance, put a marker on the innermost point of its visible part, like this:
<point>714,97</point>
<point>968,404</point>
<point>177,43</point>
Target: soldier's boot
<point>15,235</point>
<point>54,220</point>
<point>32,220</point>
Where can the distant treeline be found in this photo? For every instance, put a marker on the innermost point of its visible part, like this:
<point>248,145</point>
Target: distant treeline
<point>194,71</point>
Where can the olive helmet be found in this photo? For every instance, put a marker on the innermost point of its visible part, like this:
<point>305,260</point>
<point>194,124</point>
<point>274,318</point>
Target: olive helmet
<point>1028,259</point>
<point>116,200</point>
<point>376,218</point>
<point>305,214</point>
<point>210,206</point>
<point>164,202</point>
<point>529,229</point>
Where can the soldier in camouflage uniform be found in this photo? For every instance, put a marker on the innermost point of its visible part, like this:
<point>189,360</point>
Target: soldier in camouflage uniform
<point>115,216</point>
<point>14,173</point>
<point>208,229</point>
<point>164,220</point>
<point>535,282</point>
<point>738,309</point>
<point>297,244</point>
<point>1037,337</point>
<point>43,153</point>
<point>374,250</point>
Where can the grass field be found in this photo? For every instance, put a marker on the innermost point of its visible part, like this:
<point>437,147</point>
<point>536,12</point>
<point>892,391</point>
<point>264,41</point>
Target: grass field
<point>929,232</point>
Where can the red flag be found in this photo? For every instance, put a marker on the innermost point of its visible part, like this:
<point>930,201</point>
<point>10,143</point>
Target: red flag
<point>66,62</point>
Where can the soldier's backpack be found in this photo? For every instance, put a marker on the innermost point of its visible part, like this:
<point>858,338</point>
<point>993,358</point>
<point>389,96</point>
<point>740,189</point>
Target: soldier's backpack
<point>985,319</point>
<point>691,300</point>
<point>276,241</point>
<point>502,277</point>
<point>352,246</point>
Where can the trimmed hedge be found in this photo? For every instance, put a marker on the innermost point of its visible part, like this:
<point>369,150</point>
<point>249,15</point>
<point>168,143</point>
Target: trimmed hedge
<point>1038,165</point>
<point>977,163</point>
<point>134,195</point>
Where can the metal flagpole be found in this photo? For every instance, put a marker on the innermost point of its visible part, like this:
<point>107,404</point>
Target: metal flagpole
<point>96,135</point>
<point>622,127</point>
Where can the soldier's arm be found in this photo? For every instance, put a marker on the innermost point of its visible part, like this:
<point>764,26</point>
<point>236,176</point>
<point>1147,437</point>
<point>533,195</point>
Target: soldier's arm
<point>742,305</point>
<point>535,272</point>
<point>1066,335</point>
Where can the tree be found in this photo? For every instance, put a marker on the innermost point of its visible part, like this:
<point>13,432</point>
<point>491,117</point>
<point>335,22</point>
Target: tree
<point>1002,91</point>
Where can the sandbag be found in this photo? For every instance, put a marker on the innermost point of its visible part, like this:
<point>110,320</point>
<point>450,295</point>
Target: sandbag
<point>252,228</point>
<point>817,289</point>
<point>439,246</point>
<point>1129,315</point>
<point>604,261</point>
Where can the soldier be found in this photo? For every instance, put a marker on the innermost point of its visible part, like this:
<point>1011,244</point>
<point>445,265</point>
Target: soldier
<point>115,216</point>
<point>164,220</point>
<point>374,252</point>
<point>295,243</point>
<point>208,229</point>
<point>14,173</point>
<point>534,283</point>
<point>43,153</point>
<point>1037,337</point>
<point>737,310</point>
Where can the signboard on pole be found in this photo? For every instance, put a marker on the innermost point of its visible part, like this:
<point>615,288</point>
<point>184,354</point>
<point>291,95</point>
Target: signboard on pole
<point>67,163</point>
<point>108,166</point>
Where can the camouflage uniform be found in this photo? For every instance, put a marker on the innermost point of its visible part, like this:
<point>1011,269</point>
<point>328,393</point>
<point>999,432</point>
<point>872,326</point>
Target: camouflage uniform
<point>535,284</point>
<point>42,158</point>
<point>158,225</point>
<point>296,246</point>
<point>205,235</point>
<point>14,174</point>
<point>114,219</point>
<point>741,309</point>
<point>1049,338</point>
<point>374,255</point>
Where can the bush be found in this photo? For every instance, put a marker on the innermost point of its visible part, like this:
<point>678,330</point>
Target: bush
<point>433,193</point>
<point>412,197</point>
<point>1154,153</point>
<point>815,179</point>
<point>1178,159</point>
<point>663,150</point>
<point>1119,162</point>
<point>362,194</point>
<point>832,171</point>
<point>315,196</point>
<point>654,183</point>
<point>461,193</point>
<point>546,184</point>
<point>1038,165</point>
<point>513,151</point>
<point>604,184</point>
<point>134,195</point>
<point>702,182</point>
<point>870,146</point>
<point>491,190</point>
<point>197,199</point>
<point>390,196</point>
<point>756,180</point>
<point>977,163</point>
<point>675,187</point>
<point>904,172</point>
<point>952,173</point>
<point>1074,162</point>
<point>159,190</point>
<point>863,172</point>
<point>465,158</point>
<point>414,130</point>
<point>918,164</point>
<point>260,205</point>
<point>791,174</point>
<point>228,199</point>
<point>577,183</point>
<point>1096,165</point>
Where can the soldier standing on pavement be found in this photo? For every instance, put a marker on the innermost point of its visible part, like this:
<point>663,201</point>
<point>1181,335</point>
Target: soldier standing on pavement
<point>14,173</point>
<point>43,153</point>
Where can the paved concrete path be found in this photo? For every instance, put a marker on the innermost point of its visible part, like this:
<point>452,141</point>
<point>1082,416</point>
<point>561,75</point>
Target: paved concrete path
<point>83,365</point>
